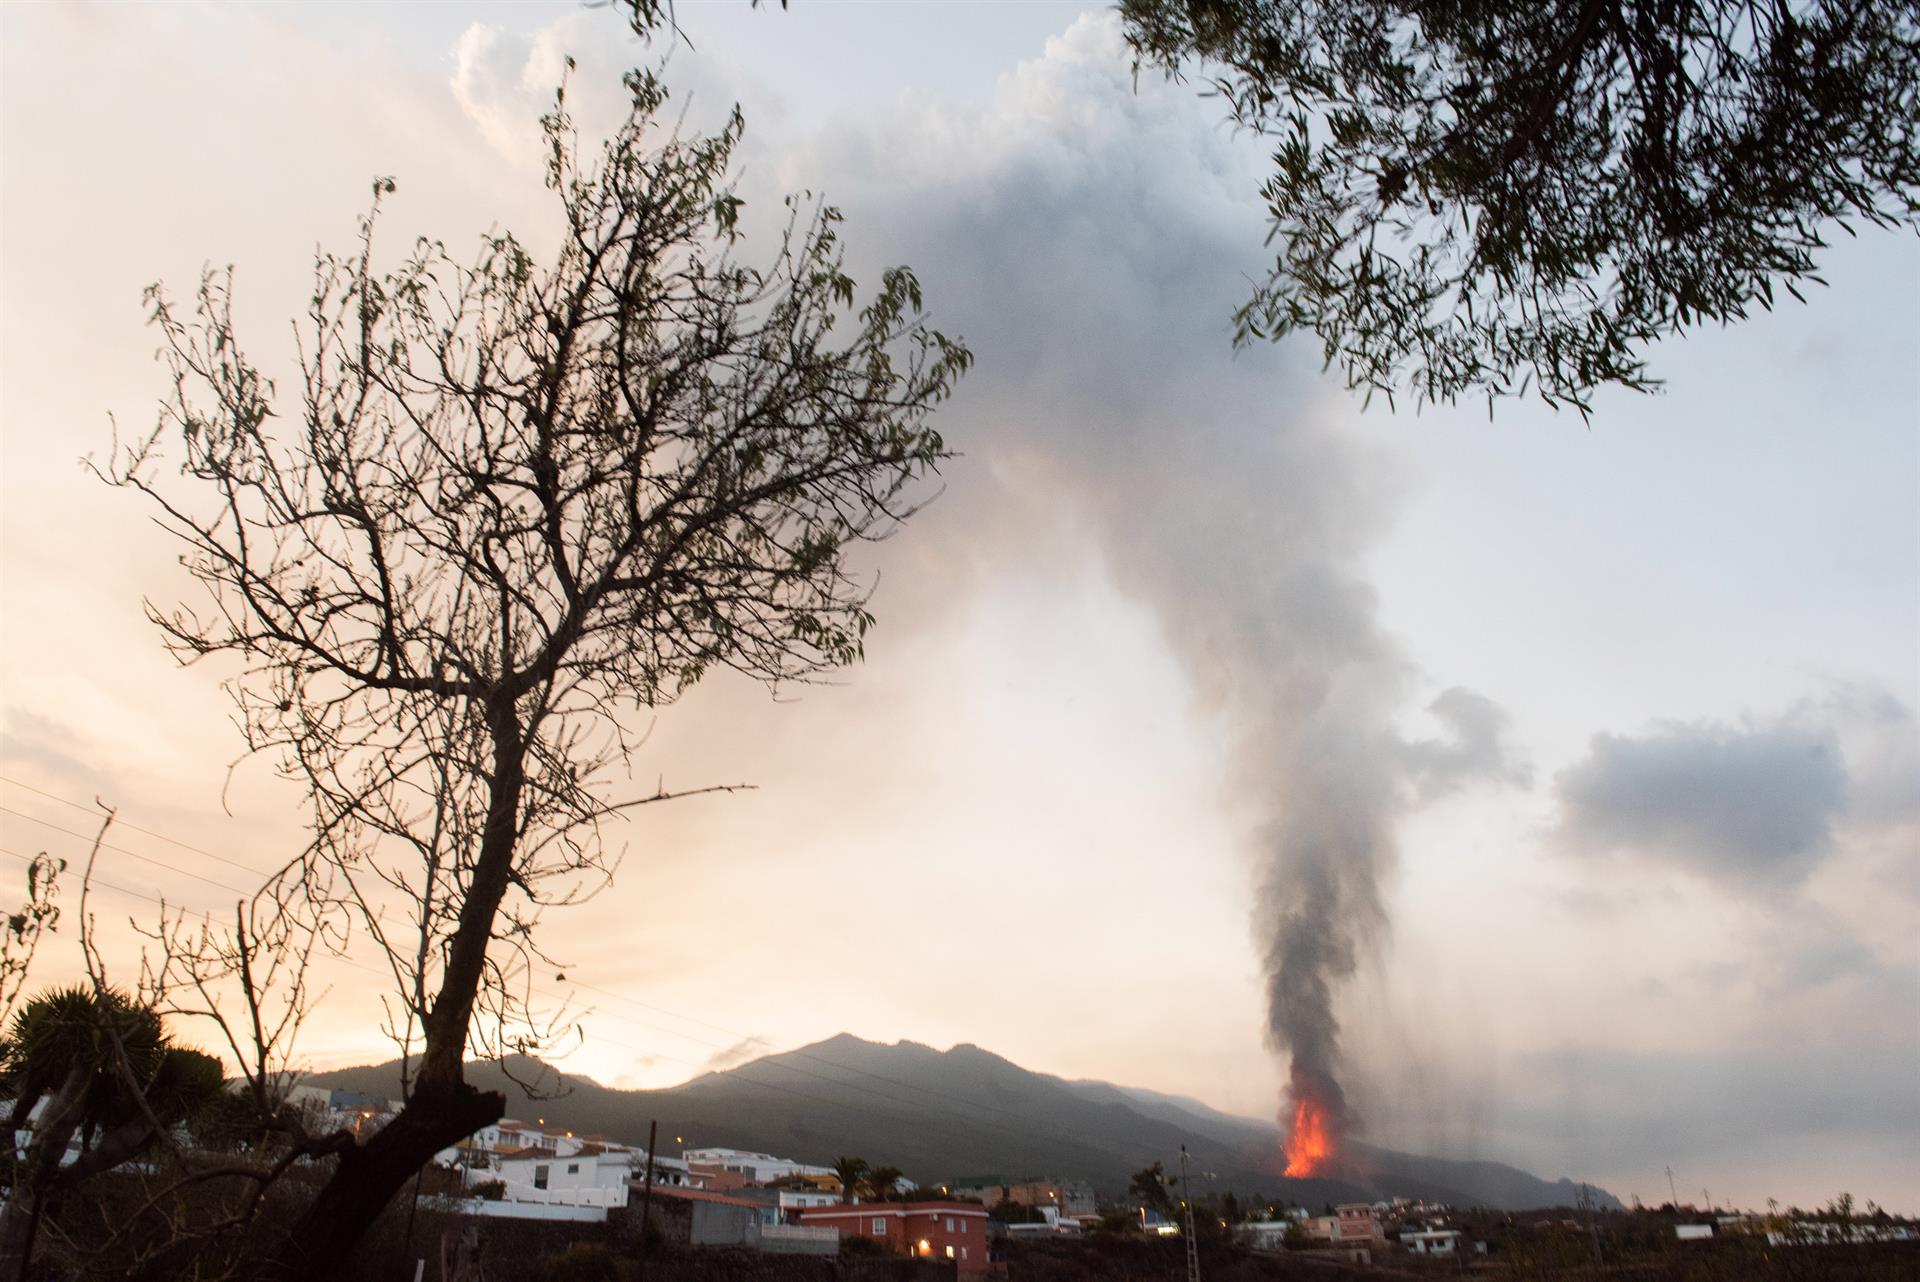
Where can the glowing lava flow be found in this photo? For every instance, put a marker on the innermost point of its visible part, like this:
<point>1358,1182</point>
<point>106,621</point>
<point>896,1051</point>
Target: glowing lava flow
<point>1309,1143</point>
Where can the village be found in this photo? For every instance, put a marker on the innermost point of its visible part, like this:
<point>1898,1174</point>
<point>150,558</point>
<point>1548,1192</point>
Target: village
<point>727,1200</point>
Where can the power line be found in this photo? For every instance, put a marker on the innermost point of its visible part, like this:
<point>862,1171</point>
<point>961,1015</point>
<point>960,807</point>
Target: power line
<point>98,881</point>
<point>1027,1120</point>
<point>737,1034</point>
<point>95,811</point>
<point>159,863</point>
<point>646,1052</point>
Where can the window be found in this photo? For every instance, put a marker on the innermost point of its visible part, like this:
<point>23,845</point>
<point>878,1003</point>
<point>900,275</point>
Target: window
<point>573,1168</point>
<point>540,1176</point>
<point>879,1225</point>
<point>949,1250</point>
<point>963,1252</point>
<point>949,1224</point>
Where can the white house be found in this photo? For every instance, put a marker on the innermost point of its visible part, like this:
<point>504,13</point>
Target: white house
<point>758,1168</point>
<point>668,1172</point>
<point>510,1139</point>
<point>1431,1241</point>
<point>1264,1235</point>
<point>590,1177</point>
<point>1050,1224</point>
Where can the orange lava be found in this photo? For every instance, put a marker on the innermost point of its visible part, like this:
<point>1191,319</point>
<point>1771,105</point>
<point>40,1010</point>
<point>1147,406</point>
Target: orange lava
<point>1309,1143</point>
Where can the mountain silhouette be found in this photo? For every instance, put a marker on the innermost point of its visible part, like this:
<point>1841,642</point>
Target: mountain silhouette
<point>950,1116</point>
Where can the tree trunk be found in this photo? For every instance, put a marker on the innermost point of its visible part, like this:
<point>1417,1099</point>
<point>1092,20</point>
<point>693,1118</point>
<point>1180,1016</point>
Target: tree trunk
<point>443,1109</point>
<point>465,1263</point>
<point>368,1176</point>
<point>20,1222</point>
<point>446,1024</point>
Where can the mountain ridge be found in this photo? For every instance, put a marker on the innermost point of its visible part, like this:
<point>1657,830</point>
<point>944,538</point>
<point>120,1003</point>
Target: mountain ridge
<point>943,1116</point>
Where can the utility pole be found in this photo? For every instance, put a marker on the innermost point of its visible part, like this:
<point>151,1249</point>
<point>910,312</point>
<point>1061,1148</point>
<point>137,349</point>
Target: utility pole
<point>1673,1197</point>
<point>1593,1229</point>
<point>1193,1246</point>
<point>646,1195</point>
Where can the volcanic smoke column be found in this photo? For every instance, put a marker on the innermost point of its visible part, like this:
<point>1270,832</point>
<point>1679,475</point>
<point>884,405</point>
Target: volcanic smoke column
<point>1350,781</point>
<point>1095,232</point>
<point>1322,861</point>
<point>1252,557</point>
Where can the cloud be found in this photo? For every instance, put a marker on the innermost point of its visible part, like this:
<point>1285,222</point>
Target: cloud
<point>1821,964</point>
<point>35,743</point>
<point>1477,749</point>
<point>504,83</point>
<point>1762,802</point>
<point>1881,741</point>
<point>1754,802</point>
<point>740,1052</point>
<point>1628,1104</point>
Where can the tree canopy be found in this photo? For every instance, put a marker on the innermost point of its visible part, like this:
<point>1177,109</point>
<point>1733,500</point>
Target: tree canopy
<point>1514,195</point>
<point>850,1171</point>
<point>93,1063</point>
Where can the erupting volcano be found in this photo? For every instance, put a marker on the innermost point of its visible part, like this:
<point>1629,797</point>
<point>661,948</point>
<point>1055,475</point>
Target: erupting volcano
<point>1319,1123</point>
<point>1310,1142</point>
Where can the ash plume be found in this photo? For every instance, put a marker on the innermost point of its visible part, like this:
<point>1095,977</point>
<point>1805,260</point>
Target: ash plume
<point>1105,233</point>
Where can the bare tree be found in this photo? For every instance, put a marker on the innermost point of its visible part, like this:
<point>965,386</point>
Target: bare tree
<point>518,502</point>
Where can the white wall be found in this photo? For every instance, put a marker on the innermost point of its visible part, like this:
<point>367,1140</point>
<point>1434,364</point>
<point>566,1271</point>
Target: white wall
<point>599,1180</point>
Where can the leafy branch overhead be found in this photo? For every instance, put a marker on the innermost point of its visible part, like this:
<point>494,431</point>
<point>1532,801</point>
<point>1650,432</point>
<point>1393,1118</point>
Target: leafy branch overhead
<point>1494,198</point>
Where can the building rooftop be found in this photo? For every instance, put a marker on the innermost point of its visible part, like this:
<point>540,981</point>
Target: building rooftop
<point>895,1208</point>
<point>702,1195</point>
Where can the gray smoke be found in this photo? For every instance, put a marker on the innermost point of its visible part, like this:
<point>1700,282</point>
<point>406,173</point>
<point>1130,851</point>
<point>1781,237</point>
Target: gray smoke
<point>1091,243</point>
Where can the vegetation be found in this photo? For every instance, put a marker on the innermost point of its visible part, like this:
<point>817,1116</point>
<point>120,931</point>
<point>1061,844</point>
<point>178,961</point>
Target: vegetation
<point>20,932</point>
<point>883,1182</point>
<point>1525,194</point>
<point>512,503</point>
<point>97,1066</point>
<point>583,1262</point>
<point>1150,1187</point>
<point>851,1172</point>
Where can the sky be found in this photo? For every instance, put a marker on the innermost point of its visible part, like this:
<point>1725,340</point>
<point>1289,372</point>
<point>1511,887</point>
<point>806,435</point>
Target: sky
<point>1638,691</point>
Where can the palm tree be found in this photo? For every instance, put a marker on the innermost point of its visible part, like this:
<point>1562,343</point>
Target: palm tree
<point>106,1071</point>
<point>850,1170</point>
<point>883,1181</point>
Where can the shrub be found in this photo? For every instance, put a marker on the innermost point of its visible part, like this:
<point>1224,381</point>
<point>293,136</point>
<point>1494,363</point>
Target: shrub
<point>583,1262</point>
<point>852,1244</point>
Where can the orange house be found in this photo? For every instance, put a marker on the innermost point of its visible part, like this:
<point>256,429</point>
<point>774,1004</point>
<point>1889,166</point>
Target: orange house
<point>954,1231</point>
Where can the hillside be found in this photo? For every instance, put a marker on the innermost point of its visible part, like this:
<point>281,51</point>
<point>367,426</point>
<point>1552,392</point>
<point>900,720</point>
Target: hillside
<point>945,1115</point>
